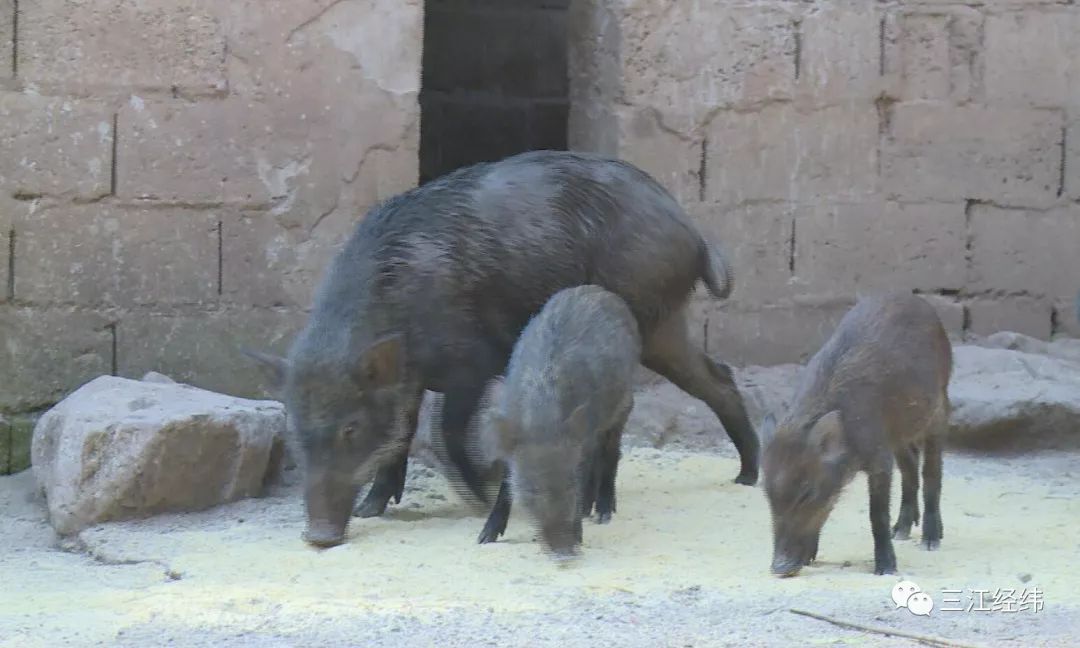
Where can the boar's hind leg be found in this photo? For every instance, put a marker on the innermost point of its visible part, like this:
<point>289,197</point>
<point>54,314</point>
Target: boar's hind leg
<point>390,477</point>
<point>908,461</point>
<point>933,529</point>
<point>670,353</point>
<point>607,460</point>
<point>500,513</point>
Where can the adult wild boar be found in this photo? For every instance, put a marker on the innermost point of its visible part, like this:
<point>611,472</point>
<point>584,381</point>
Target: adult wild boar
<point>433,288</point>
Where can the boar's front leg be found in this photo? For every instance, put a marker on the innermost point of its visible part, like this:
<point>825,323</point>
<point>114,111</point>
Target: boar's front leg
<point>608,466</point>
<point>879,479</point>
<point>390,477</point>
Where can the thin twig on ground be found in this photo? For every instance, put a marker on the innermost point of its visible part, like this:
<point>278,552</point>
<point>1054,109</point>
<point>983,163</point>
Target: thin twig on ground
<point>888,632</point>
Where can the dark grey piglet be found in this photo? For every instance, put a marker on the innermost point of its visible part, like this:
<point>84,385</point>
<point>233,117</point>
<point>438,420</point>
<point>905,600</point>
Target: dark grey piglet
<point>433,288</point>
<point>557,417</point>
<point>876,390</point>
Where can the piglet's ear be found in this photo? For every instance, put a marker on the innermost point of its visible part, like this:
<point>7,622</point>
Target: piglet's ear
<point>383,363</point>
<point>828,436</point>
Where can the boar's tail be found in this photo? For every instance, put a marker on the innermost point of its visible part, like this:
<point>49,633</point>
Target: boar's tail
<point>718,275</point>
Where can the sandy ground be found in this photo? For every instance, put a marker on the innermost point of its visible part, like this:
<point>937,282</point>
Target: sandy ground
<point>684,563</point>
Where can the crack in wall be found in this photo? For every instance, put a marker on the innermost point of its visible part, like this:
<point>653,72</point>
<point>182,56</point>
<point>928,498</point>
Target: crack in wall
<point>115,147</point>
<point>798,49</point>
<point>220,259</point>
<point>11,266</point>
<point>15,40</point>
<point>702,168</point>
<point>1061,168</point>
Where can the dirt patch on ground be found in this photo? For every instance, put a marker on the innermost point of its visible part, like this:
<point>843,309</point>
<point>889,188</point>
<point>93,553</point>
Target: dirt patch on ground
<point>684,563</point>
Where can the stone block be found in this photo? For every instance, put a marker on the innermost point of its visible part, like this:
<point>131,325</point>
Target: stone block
<point>48,352</point>
<point>260,261</point>
<point>1033,57</point>
<point>673,159</point>
<point>839,54</point>
<point>121,449</point>
<point>1025,252</point>
<point>1026,315</point>
<point>947,153</point>
<point>846,249</point>
<point>773,333</point>
<point>932,53</point>
<point>783,153</point>
<point>203,152</point>
<point>594,42</point>
<point>105,255</point>
<point>205,349</point>
<point>756,239</point>
<point>139,44</point>
<point>688,57</point>
<point>54,146</point>
<point>7,35</point>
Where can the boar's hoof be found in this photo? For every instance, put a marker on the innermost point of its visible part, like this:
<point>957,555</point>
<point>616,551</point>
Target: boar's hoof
<point>931,544</point>
<point>490,533</point>
<point>881,569</point>
<point>603,518</point>
<point>563,557</point>
<point>747,478</point>
<point>371,507</point>
<point>901,532</point>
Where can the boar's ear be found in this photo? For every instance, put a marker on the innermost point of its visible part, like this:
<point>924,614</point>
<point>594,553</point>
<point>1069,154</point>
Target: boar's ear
<point>828,435</point>
<point>382,363</point>
<point>274,367</point>
<point>767,429</point>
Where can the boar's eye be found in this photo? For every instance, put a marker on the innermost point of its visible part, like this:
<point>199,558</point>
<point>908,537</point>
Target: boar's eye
<point>348,431</point>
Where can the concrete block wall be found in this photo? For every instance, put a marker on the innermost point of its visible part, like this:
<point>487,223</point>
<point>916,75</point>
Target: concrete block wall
<point>837,146</point>
<point>174,177</point>
<point>494,81</point>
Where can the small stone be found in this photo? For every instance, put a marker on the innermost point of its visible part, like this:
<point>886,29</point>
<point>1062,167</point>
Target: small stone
<point>1024,578</point>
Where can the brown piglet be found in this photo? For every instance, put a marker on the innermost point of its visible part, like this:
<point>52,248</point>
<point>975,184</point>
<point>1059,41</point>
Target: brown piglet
<point>876,390</point>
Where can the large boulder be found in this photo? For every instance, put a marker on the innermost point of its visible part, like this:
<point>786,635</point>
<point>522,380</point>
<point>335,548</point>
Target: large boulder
<point>1007,400</point>
<point>118,449</point>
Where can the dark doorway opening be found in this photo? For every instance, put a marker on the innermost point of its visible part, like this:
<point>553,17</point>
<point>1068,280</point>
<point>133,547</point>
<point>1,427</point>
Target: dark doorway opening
<point>494,81</point>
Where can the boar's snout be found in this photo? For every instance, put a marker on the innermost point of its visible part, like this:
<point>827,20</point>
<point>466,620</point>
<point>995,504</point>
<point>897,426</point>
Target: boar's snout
<point>786,566</point>
<point>329,505</point>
